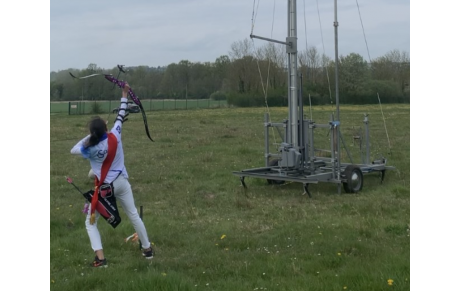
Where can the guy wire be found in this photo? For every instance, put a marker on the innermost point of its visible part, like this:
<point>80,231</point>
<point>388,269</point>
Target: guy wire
<point>370,62</point>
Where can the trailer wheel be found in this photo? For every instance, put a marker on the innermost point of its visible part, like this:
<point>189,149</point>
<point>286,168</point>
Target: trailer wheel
<point>354,177</point>
<point>271,164</point>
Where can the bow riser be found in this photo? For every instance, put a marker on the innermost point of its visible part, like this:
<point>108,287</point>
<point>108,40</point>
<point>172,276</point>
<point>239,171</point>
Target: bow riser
<point>133,96</point>
<point>122,84</point>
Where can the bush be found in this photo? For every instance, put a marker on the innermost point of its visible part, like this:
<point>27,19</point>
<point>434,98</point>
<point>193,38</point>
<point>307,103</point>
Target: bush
<point>389,92</point>
<point>96,108</point>
<point>256,99</point>
<point>218,95</point>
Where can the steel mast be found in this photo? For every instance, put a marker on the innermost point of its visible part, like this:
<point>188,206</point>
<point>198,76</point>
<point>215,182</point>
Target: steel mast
<point>291,50</point>
<point>296,159</point>
<point>337,118</point>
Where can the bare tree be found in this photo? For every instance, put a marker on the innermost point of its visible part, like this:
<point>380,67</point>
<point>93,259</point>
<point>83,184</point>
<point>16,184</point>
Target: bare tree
<point>310,64</point>
<point>394,66</point>
<point>240,49</point>
<point>244,67</point>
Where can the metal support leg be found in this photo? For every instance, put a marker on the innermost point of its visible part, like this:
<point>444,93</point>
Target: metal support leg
<point>305,187</point>
<point>382,176</point>
<point>242,182</point>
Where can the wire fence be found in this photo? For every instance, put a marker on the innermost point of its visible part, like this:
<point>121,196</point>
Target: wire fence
<point>107,106</point>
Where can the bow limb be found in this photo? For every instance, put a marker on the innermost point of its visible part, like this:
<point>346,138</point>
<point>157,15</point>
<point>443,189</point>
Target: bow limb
<point>84,77</point>
<point>145,121</point>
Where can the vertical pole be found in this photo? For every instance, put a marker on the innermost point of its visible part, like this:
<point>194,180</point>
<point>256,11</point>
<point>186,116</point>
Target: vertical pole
<point>366,126</point>
<point>336,26</point>
<point>311,127</point>
<point>333,144</point>
<point>292,75</point>
<point>267,146</point>
<point>301,124</point>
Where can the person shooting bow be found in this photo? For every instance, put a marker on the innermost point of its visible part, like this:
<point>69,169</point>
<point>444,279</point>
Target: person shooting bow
<point>104,150</point>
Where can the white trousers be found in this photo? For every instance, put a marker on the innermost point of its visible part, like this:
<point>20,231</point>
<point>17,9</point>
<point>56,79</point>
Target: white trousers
<point>125,199</point>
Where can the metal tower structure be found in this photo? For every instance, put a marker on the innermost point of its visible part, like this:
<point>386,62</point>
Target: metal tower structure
<point>295,159</point>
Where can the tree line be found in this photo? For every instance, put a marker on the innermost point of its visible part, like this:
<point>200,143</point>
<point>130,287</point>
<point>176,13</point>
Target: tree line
<point>250,76</point>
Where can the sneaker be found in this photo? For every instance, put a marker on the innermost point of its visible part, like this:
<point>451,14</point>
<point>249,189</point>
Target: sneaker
<point>99,263</point>
<point>148,253</point>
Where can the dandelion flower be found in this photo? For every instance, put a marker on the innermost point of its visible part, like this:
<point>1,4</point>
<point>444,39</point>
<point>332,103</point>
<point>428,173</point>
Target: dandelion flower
<point>390,282</point>
<point>344,287</point>
<point>339,254</point>
<point>223,236</point>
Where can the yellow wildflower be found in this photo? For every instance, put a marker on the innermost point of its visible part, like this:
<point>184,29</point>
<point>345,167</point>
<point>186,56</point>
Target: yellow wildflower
<point>390,282</point>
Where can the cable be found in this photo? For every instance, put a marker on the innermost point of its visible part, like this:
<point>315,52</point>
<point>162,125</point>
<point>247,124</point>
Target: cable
<point>324,53</point>
<point>370,62</point>
<point>264,88</point>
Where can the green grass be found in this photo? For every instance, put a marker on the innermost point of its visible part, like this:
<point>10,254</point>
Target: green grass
<point>106,106</point>
<point>276,238</point>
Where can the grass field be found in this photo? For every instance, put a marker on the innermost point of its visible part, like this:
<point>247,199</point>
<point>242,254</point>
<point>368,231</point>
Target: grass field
<point>106,106</point>
<point>210,233</point>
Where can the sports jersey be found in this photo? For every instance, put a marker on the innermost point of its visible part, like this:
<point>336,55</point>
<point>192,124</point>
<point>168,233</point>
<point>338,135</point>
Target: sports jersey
<point>97,154</point>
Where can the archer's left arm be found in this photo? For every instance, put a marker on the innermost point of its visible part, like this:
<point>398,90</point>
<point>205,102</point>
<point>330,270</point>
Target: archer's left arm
<point>122,112</point>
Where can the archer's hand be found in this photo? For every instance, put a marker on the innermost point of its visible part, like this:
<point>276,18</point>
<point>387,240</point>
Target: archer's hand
<point>125,90</point>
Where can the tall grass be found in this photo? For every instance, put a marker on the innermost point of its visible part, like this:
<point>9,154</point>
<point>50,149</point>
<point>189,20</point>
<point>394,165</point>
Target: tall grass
<point>210,233</point>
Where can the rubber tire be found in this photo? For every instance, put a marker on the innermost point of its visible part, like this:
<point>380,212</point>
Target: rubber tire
<point>353,173</point>
<point>275,182</point>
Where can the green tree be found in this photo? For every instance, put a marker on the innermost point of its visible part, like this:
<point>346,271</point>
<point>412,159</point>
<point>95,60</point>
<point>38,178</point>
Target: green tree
<point>353,75</point>
<point>394,66</point>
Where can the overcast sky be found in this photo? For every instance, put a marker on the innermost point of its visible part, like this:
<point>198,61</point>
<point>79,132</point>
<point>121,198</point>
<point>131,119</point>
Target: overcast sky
<point>158,33</point>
